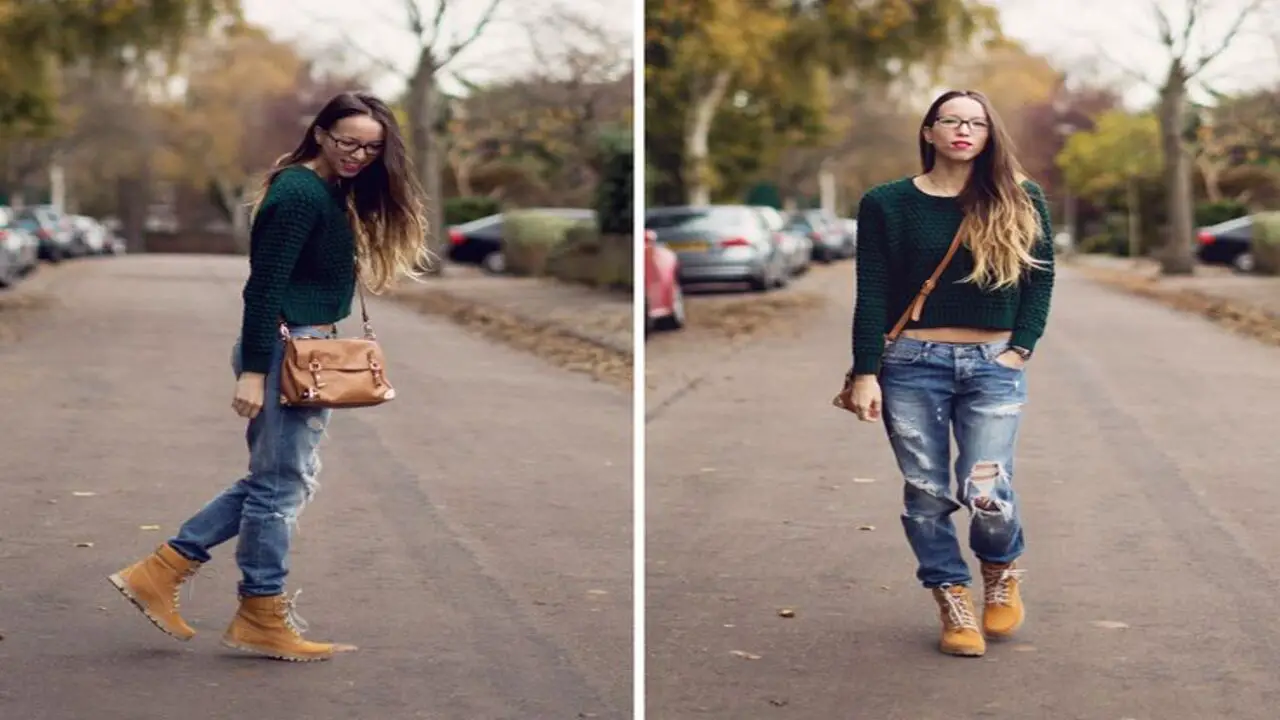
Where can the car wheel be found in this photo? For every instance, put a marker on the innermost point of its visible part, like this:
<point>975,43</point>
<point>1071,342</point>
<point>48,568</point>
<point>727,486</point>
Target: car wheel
<point>495,262</point>
<point>1244,262</point>
<point>675,320</point>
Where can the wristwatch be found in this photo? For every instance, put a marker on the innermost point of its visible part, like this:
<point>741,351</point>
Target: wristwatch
<point>1022,352</point>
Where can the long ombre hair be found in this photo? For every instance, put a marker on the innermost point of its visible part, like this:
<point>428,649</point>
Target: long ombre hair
<point>1001,224</point>
<point>385,202</point>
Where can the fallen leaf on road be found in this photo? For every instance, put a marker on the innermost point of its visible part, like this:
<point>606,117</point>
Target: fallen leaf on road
<point>867,528</point>
<point>148,527</point>
<point>1024,648</point>
<point>84,493</point>
<point>745,655</point>
<point>730,625</point>
<point>84,544</point>
<point>884,587</point>
<point>597,592</point>
<point>1110,624</point>
<point>707,470</point>
<point>864,481</point>
<point>778,702</point>
<point>786,613</point>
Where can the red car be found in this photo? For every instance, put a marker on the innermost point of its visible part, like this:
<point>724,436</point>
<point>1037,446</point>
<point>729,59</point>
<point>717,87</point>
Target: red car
<point>663,299</point>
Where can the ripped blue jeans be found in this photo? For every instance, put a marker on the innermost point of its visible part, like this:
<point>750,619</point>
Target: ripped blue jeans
<point>929,391</point>
<point>263,506</point>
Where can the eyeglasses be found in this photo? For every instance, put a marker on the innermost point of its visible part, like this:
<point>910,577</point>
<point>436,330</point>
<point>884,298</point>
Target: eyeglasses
<point>978,125</point>
<point>350,146</point>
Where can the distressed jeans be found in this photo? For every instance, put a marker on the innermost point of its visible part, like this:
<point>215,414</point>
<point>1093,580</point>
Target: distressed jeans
<point>263,507</point>
<point>930,390</point>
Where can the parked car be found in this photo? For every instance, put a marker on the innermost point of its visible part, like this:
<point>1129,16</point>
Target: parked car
<point>1227,243</point>
<point>721,244</point>
<point>53,229</point>
<point>795,245</point>
<point>479,242</point>
<point>19,249</point>
<point>830,241</point>
<point>92,235</point>
<point>663,297</point>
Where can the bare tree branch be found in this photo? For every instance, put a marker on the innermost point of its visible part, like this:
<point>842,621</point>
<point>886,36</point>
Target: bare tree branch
<point>1164,28</point>
<point>442,6</point>
<point>1230,35</point>
<point>456,48</point>
<point>1193,14</point>
<point>1129,72</point>
<point>415,18</point>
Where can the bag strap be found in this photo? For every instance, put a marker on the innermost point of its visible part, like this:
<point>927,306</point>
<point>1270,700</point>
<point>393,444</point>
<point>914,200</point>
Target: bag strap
<point>364,310</point>
<point>917,304</point>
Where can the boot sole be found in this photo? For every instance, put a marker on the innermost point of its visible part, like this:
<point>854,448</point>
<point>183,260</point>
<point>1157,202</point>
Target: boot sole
<point>963,653</point>
<point>119,583</point>
<point>273,654</point>
<point>1003,634</point>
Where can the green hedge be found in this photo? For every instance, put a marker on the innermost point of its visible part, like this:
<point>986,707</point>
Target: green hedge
<point>461,210</point>
<point>588,258</point>
<point>615,194</point>
<point>1266,243</point>
<point>529,238</point>
<point>1212,213</point>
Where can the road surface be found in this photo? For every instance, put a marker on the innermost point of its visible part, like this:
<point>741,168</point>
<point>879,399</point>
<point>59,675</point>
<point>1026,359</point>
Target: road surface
<point>472,537</point>
<point>1148,473</point>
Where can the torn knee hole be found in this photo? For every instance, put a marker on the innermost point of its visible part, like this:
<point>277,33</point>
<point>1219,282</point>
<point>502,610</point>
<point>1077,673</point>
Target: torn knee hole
<point>982,481</point>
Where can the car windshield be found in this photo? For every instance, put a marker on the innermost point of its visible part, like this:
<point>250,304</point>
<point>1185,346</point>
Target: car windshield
<point>694,219</point>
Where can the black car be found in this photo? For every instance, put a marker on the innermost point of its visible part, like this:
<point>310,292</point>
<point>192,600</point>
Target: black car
<point>479,242</point>
<point>1227,243</point>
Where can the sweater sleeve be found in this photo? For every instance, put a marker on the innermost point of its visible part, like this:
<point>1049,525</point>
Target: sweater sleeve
<point>281,229</point>
<point>1037,287</point>
<point>872,295</point>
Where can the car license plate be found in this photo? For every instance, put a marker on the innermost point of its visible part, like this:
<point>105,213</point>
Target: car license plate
<point>690,246</point>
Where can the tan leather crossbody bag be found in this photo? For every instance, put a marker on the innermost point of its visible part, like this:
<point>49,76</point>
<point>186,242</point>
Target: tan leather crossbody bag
<point>844,398</point>
<point>335,372</point>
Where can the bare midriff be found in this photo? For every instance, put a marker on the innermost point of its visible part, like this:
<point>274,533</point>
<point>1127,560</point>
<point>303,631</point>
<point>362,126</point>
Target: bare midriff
<point>957,335</point>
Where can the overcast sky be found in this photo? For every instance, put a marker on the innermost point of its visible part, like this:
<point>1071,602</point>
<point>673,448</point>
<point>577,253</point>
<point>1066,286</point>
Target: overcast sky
<point>1090,35</point>
<point>1114,33</point>
<point>375,30</point>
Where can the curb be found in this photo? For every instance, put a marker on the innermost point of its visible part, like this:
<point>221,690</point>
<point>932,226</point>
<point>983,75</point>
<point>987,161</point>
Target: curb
<point>1240,317</point>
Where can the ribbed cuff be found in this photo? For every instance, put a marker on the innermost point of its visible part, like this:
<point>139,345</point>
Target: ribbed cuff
<point>866,364</point>
<point>255,362</point>
<point>1024,338</point>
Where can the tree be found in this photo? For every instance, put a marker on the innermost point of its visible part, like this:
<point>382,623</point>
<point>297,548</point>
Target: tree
<point>1187,61</point>
<point>1237,131</point>
<point>39,38</point>
<point>1120,153</point>
<point>706,57</point>
<point>435,52</point>
<point>218,132</point>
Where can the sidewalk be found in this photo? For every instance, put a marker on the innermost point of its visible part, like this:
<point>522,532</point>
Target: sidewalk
<point>1249,304</point>
<point>576,327</point>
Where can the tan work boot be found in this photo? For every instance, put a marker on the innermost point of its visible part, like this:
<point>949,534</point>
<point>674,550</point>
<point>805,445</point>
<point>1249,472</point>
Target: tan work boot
<point>269,626</point>
<point>1003,611</point>
<point>960,633</point>
<point>152,585</point>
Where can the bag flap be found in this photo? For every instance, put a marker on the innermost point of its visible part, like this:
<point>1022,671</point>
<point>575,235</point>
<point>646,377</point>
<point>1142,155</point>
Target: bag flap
<point>338,354</point>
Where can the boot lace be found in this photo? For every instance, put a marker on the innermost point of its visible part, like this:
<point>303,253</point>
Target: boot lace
<point>997,585</point>
<point>288,606</point>
<point>959,610</point>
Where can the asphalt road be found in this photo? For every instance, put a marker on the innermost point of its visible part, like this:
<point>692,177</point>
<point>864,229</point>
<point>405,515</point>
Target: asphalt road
<point>472,537</point>
<point>1148,474</point>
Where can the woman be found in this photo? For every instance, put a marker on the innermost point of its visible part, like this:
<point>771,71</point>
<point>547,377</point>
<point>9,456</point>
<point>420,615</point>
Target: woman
<point>959,364</point>
<point>346,190</point>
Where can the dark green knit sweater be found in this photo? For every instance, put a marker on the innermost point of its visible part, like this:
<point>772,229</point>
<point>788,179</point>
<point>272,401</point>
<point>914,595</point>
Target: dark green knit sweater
<point>903,233</point>
<point>301,263</point>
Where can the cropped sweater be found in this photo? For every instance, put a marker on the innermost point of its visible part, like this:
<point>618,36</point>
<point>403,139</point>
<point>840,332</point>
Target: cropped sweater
<point>301,263</point>
<point>903,233</point>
